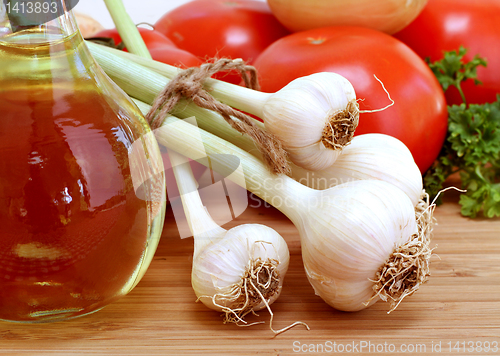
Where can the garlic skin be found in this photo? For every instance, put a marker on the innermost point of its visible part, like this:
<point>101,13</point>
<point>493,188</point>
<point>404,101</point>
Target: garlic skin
<point>222,264</point>
<point>300,112</point>
<point>369,156</point>
<point>350,236</point>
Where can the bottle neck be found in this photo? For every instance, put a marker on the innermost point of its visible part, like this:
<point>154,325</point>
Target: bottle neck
<point>21,24</point>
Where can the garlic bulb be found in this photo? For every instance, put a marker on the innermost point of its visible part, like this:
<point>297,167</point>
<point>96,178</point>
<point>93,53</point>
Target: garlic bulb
<point>369,156</point>
<point>314,116</point>
<point>238,271</point>
<point>350,233</point>
<point>229,275</point>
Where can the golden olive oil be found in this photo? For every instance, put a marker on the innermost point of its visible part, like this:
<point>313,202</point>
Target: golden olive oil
<point>73,233</point>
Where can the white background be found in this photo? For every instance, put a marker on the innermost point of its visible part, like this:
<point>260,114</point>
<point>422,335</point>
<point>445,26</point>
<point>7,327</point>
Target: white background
<point>140,10</point>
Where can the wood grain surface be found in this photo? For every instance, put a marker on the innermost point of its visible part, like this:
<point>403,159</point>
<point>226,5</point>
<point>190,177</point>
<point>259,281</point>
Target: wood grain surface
<point>460,303</point>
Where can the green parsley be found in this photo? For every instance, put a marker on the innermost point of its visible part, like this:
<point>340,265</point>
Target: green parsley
<point>472,145</point>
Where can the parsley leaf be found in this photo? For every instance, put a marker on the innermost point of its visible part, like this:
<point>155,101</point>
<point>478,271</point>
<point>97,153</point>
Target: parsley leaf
<point>451,70</point>
<point>472,146</point>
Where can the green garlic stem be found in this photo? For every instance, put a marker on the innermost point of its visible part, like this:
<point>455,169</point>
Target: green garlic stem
<point>247,100</point>
<point>201,224</point>
<point>281,191</point>
<point>123,23</point>
<point>145,84</point>
<point>139,82</point>
<point>204,229</point>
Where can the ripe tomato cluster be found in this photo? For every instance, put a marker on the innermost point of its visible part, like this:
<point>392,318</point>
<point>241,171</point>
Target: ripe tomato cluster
<point>377,64</point>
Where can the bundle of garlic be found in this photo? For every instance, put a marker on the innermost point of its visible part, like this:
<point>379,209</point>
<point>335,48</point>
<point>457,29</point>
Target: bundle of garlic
<point>315,116</point>
<point>361,241</point>
<point>238,271</point>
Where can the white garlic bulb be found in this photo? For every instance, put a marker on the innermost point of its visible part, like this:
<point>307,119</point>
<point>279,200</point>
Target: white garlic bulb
<point>369,156</point>
<point>351,236</point>
<point>315,117</point>
<point>227,274</point>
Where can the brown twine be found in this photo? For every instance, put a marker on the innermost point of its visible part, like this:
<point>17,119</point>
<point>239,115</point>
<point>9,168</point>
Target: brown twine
<point>189,84</point>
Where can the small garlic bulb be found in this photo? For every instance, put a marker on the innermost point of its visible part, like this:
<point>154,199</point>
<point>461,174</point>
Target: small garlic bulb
<point>238,272</point>
<point>369,156</point>
<point>315,117</point>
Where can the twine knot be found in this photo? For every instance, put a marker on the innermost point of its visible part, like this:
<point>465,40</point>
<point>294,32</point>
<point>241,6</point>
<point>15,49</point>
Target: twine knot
<point>191,88</point>
<point>189,84</point>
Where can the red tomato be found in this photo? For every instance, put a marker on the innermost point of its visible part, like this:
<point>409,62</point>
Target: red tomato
<point>222,28</point>
<point>152,38</point>
<point>445,25</point>
<point>419,115</point>
<point>162,49</point>
<point>175,56</point>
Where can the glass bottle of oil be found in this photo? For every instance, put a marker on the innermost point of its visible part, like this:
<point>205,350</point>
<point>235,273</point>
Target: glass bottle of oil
<point>76,231</point>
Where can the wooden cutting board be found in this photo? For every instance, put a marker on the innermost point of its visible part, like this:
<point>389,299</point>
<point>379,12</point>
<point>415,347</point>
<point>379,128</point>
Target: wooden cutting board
<point>458,309</point>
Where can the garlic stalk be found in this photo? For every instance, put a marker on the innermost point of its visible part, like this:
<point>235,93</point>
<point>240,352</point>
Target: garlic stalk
<point>350,233</point>
<point>239,271</point>
<point>369,156</point>
<point>314,116</point>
